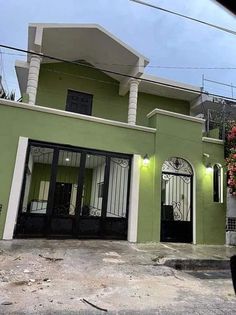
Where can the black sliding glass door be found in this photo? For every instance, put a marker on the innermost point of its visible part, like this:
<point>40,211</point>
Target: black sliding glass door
<point>74,192</point>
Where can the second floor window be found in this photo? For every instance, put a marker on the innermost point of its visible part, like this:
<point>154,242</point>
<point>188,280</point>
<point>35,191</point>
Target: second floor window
<point>79,102</point>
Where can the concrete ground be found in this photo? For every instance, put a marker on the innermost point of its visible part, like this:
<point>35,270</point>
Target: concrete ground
<point>54,276</point>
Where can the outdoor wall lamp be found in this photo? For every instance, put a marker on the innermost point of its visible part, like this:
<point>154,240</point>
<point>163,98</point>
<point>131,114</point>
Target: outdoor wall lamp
<point>146,160</point>
<point>209,167</point>
<point>206,155</point>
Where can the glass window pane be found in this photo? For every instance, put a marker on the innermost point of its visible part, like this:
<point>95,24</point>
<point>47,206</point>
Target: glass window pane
<point>118,188</point>
<point>92,196</point>
<point>66,187</point>
<point>38,174</point>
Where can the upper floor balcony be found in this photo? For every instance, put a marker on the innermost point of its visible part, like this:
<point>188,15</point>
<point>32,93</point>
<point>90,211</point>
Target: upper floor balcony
<point>94,73</point>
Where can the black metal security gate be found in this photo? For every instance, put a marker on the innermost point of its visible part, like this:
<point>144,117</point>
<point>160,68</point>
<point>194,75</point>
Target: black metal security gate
<point>176,201</point>
<point>74,192</point>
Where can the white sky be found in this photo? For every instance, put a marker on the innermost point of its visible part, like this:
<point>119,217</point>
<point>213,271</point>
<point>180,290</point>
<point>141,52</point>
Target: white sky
<point>165,39</point>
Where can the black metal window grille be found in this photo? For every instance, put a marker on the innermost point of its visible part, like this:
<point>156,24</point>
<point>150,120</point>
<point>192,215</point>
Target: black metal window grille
<point>231,224</point>
<point>76,191</point>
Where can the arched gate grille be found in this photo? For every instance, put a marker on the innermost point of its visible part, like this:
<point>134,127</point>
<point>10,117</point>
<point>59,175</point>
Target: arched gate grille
<point>176,201</point>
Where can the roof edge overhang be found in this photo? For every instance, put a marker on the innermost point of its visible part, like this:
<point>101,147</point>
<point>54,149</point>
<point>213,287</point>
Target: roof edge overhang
<point>22,70</point>
<point>168,88</point>
<point>36,42</point>
<point>39,27</point>
<point>149,84</point>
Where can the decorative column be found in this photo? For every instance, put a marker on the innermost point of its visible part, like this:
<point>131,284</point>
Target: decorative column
<point>133,99</point>
<point>32,83</point>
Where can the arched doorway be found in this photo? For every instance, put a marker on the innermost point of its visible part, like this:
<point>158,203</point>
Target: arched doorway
<point>177,201</point>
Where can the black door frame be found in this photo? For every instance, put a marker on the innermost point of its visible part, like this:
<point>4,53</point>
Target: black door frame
<point>165,225</point>
<point>75,233</point>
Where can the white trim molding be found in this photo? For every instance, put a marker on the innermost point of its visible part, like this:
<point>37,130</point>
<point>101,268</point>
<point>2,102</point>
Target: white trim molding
<point>212,140</point>
<point>134,199</point>
<point>15,189</point>
<point>176,115</point>
<point>194,192</point>
<point>74,115</point>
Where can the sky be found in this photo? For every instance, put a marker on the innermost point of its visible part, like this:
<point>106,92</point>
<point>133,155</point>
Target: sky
<point>167,40</point>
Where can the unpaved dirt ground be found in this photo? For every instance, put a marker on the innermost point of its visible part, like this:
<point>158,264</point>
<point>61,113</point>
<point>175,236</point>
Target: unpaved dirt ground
<point>53,277</point>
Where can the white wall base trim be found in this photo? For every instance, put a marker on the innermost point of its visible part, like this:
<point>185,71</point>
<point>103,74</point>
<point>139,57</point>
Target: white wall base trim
<point>15,189</point>
<point>134,199</point>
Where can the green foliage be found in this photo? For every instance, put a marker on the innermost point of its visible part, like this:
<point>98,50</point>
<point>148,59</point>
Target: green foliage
<point>230,149</point>
<point>10,96</point>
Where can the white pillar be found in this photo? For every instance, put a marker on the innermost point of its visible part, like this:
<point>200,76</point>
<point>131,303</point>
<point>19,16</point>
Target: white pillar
<point>133,99</point>
<point>17,180</point>
<point>33,77</point>
<point>134,199</point>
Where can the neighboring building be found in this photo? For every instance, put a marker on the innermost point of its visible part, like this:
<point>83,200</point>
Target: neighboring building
<point>90,153</point>
<point>2,92</point>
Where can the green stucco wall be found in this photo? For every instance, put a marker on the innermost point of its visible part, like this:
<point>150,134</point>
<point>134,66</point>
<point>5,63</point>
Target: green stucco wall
<point>53,128</point>
<point>183,138</point>
<point>174,138</point>
<point>213,213</point>
<point>56,78</point>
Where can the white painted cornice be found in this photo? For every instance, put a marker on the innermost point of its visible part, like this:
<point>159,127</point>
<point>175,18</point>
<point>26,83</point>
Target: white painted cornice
<point>175,115</point>
<point>212,140</point>
<point>58,26</point>
<point>74,115</point>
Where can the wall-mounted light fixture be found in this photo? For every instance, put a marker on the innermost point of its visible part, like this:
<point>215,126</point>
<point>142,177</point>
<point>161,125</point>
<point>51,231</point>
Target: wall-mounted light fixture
<point>207,163</point>
<point>206,155</point>
<point>209,167</point>
<point>146,160</point>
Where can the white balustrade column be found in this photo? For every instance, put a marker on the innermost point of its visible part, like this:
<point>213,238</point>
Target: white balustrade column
<point>133,99</point>
<point>32,83</point>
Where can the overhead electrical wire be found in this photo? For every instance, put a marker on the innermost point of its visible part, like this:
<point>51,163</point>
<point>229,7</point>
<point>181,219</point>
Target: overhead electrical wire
<point>185,16</point>
<point>148,66</point>
<point>220,83</point>
<point>115,72</point>
<point>80,76</point>
<point>92,67</point>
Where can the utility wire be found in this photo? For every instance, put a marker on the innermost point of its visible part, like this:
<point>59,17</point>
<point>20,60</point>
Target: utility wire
<point>220,83</point>
<point>92,67</point>
<point>185,16</point>
<point>114,83</point>
<point>114,72</point>
<point>147,66</point>
<point>80,76</point>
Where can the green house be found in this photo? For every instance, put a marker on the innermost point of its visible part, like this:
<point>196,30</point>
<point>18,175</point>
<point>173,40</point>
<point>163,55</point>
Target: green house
<point>97,148</point>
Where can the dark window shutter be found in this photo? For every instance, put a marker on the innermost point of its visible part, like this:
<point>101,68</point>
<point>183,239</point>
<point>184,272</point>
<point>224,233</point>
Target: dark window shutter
<point>79,102</point>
